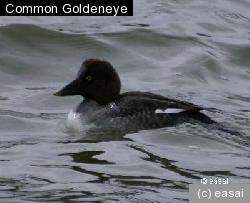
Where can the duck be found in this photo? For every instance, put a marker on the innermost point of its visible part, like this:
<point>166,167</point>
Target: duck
<point>99,84</point>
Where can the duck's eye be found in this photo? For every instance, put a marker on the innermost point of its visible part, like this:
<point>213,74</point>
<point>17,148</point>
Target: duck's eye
<point>88,78</point>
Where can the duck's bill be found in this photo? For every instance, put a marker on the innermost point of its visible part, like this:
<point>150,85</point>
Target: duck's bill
<point>69,90</point>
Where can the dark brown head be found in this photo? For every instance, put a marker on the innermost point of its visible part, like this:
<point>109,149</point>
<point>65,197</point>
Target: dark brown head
<point>96,80</point>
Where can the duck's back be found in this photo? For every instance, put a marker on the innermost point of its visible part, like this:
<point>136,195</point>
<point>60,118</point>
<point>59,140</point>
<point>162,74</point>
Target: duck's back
<point>136,101</point>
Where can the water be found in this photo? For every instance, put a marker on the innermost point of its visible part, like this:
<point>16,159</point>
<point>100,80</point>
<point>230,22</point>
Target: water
<point>195,50</point>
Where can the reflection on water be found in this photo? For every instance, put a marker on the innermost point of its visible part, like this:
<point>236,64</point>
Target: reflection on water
<point>195,51</point>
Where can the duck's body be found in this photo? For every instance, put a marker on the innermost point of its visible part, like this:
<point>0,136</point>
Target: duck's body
<point>134,111</point>
<point>99,84</point>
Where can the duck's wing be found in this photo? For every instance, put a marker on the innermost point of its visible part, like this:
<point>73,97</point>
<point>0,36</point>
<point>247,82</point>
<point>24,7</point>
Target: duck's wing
<point>143,110</point>
<point>134,102</point>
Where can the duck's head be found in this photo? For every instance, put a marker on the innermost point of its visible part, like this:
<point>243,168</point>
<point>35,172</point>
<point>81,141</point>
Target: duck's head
<point>96,80</point>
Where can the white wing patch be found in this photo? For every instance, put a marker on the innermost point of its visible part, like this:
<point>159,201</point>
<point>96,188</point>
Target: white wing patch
<point>159,111</point>
<point>172,110</point>
<point>169,111</point>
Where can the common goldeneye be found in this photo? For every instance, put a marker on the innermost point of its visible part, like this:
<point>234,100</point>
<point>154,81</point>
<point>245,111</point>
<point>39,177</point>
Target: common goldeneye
<point>98,82</point>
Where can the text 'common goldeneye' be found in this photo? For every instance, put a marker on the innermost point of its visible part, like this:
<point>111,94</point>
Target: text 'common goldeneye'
<point>98,82</point>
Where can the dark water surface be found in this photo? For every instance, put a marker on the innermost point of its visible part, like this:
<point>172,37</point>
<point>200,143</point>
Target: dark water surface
<point>197,51</point>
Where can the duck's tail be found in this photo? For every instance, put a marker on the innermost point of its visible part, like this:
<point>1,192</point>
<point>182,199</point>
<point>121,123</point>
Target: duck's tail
<point>213,124</point>
<point>203,118</point>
